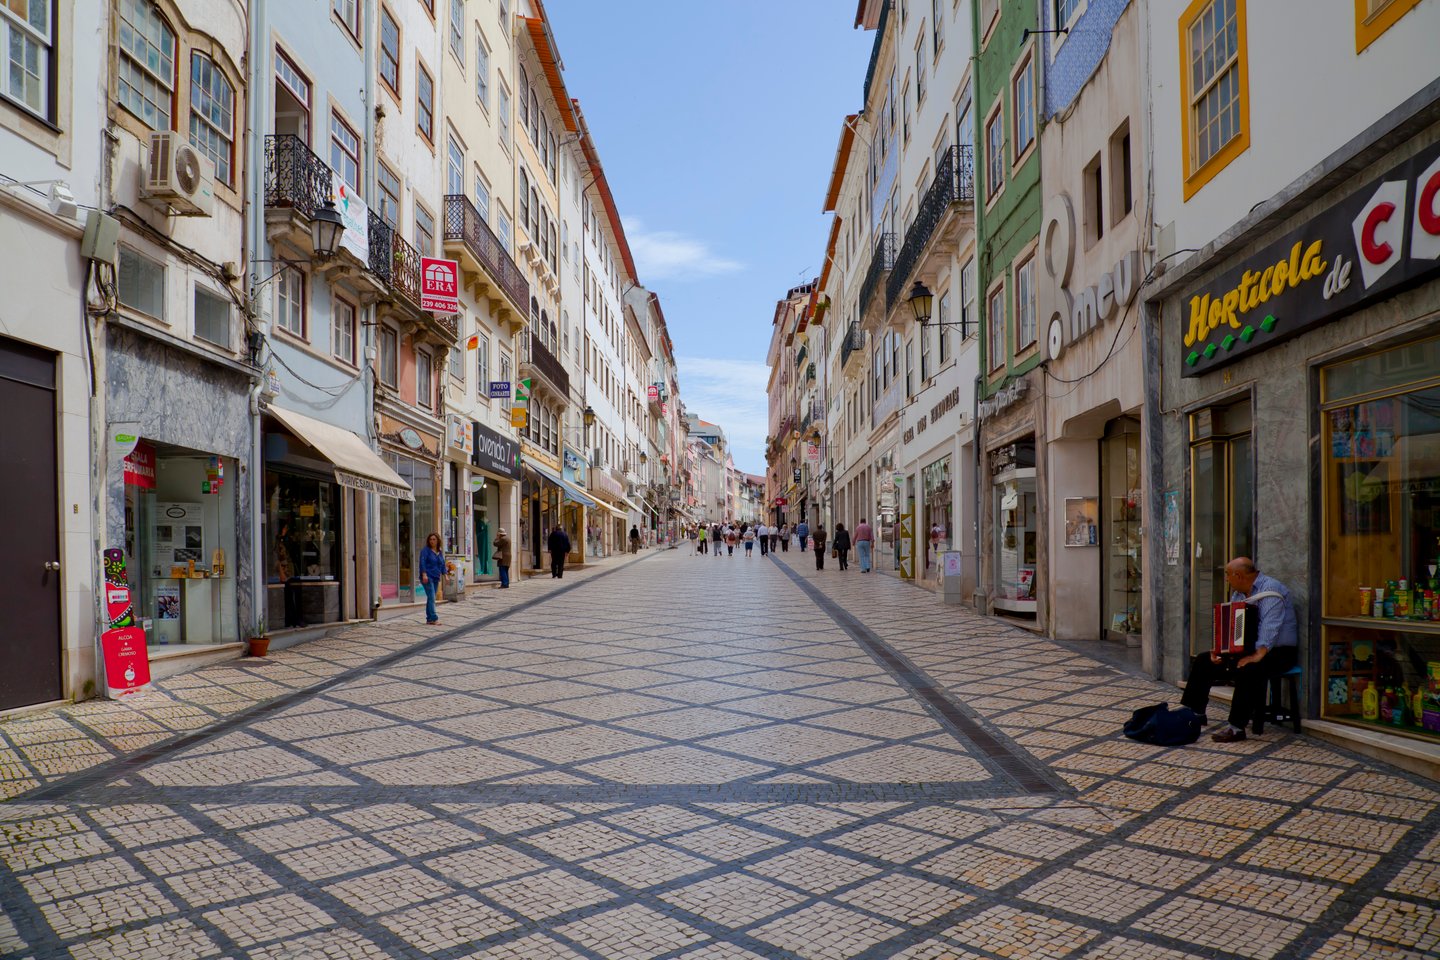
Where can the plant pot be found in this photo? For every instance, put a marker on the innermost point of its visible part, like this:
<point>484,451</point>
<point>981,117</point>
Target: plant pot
<point>259,646</point>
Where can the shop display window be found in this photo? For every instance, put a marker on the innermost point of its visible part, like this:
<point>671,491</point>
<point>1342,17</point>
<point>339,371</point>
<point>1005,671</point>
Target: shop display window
<point>302,550</point>
<point>1122,504</point>
<point>485,513</point>
<point>1017,532</point>
<point>939,528</point>
<point>1222,503</point>
<point>404,526</point>
<point>1380,491</point>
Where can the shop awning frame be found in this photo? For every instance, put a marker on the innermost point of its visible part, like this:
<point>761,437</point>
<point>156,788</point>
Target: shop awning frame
<point>572,492</point>
<point>356,465</point>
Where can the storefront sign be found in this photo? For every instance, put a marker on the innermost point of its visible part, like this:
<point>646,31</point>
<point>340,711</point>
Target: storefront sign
<point>1383,237</point>
<point>519,417</point>
<point>782,501</point>
<point>495,453</point>
<point>652,392</point>
<point>356,482</point>
<point>412,439</point>
<point>460,434</point>
<point>500,389</point>
<point>124,435</point>
<point>812,453</point>
<point>1007,396</point>
<point>354,215</point>
<point>439,285</point>
<point>140,467</point>
<point>127,661</point>
<point>1097,304</point>
<point>572,461</point>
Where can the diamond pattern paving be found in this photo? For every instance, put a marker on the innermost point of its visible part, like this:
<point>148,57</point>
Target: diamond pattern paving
<point>679,757</point>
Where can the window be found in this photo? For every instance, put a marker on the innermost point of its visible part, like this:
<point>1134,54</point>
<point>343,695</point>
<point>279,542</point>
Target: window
<point>505,368</point>
<point>424,231</point>
<point>920,69</point>
<point>1374,17</point>
<point>457,30</point>
<point>349,13</point>
<point>212,318</point>
<point>25,34</point>
<point>969,320</point>
<point>482,70</point>
<point>502,229</point>
<point>390,51</point>
<point>503,109</point>
<point>1213,85</point>
<point>942,313</point>
<point>424,380</point>
<point>1025,323</point>
<point>424,102</point>
<point>1121,189</point>
<point>290,301</point>
<point>389,195</point>
<point>994,154</point>
<point>482,195</point>
<point>1094,212</point>
<point>343,326</point>
<point>344,150</point>
<point>937,17</point>
<point>524,87</point>
<point>212,115</point>
<point>1066,11</point>
<point>389,357</point>
<point>292,99</point>
<point>142,284</point>
<point>146,65</point>
<point>1024,107</point>
<point>454,166</point>
<point>525,199</point>
<point>909,368</point>
<point>455,358</point>
<point>995,327</point>
<point>482,368</point>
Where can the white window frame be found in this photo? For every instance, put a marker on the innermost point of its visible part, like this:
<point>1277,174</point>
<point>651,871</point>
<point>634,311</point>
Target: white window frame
<point>290,294</point>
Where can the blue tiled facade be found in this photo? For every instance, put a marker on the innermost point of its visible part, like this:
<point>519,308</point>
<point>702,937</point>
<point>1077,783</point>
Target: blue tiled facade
<point>1084,47</point>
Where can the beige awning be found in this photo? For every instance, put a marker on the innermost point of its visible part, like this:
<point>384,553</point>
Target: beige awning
<point>356,465</point>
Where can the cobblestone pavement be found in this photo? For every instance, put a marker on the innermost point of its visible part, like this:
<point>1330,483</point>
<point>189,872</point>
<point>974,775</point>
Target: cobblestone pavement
<point>694,757</point>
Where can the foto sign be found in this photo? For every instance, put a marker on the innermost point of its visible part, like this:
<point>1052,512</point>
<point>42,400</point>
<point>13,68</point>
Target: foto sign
<point>500,389</point>
<point>439,285</point>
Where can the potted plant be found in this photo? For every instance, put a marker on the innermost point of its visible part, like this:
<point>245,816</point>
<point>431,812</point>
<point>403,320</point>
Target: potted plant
<point>259,643</point>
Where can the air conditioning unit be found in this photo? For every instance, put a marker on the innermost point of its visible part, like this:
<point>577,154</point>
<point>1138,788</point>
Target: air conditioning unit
<point>178,176</point>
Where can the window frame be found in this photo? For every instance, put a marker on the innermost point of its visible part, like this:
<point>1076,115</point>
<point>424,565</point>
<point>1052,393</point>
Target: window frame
<point>304,300</point>
<point>1024,263</point>
<point>428,402</point>
<point>1196,175</point>
<point>123,54</point>
<point>336,118</point>
<point>355,29</point>
<point>454,173</point>
<point>1369,26</point>
<point>995,119</point>
<point>384,55</point>
<point>384,194</point>
<point>482,69</point>
<point>457,31</point>
<point>338,301</point>
<point>196,56</point>
<point>424,111</point>
<point>1024,70</point>
<point>423,215</point>
<point>390,334</point>
<point>200,290</point>
<point>995,294</point>
<point>126,249</point>
<point>482,369</point>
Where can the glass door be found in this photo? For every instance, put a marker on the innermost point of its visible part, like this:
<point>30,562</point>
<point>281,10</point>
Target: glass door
<point>1222,499</point>
<point>1121,500</point>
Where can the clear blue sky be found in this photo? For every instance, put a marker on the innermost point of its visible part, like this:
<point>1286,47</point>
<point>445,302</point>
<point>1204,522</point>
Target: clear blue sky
<point>717,125</point>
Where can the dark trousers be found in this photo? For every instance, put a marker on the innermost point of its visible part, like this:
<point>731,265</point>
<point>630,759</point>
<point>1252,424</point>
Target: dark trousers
<point>819,558</point>
<point>504,575</point>
<point>764,546</point>
<point>844,557</point>
<point>557,565</point>
<point>1250,681</point>
<point>785,544</point>
<point>702,546</point>
<point>293,616</point>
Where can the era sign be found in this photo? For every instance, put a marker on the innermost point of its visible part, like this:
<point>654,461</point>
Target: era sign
<point>439,285</point>
<point>1389,230</point>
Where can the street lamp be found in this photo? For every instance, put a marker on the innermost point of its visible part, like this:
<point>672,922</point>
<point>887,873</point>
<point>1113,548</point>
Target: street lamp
<point>325,230</point>
<point>589,415</point>
<point>921,300</point>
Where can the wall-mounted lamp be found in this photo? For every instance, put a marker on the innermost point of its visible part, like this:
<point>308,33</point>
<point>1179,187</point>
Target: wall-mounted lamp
<point>921,301</point>
<point>325,230</point>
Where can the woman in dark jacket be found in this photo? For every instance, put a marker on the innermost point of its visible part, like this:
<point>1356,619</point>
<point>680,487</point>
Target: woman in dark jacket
<point>502,557</point>
<point>818,535</point>
<point>432,571</point>
<point>842,546</point>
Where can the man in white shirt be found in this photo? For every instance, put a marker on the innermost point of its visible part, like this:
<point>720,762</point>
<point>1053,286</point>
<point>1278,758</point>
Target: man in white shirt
<point>762,533</point>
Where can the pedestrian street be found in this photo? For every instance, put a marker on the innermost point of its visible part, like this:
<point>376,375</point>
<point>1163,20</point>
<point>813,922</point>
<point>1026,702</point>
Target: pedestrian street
<point>683,755</point>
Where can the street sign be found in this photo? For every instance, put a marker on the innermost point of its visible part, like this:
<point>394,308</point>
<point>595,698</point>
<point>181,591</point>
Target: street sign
<point>439,285</point>
<point>500,389</point>
<point>782,501</point>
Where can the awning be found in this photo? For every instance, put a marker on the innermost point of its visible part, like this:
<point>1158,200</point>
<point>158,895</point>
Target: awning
<point>356,465</point>
<point>615,510</point>
<point>572,492</point>
<point>634,506</point>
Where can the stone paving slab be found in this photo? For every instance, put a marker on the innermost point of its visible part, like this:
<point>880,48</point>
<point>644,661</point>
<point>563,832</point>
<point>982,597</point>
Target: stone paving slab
<point>687,756</point>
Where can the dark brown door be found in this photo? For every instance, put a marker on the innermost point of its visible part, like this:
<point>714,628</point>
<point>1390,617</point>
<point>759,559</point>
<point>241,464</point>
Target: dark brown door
<point>30,553</point>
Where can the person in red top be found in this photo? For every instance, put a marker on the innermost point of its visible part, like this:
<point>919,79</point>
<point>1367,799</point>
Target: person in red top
<point>864,544</point>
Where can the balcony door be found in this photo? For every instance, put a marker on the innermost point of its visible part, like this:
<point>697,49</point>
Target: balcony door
<point>1222,498</point>
<point>292,100</point>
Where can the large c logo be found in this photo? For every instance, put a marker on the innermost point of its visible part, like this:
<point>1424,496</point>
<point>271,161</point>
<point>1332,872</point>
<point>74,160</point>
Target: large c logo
<point>1379,233</point>
<point>1376,251</point>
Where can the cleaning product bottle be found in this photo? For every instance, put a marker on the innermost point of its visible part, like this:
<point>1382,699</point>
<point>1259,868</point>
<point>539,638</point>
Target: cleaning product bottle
<point>1417,705</point>
<point>1370,704</point>
<point>1402,704</point>
<point>1387,704</point>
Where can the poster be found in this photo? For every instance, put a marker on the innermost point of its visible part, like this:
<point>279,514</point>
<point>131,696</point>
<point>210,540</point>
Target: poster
<point>179,535</point>
<point>1081,514</point>
<point>167,600</point>
<point>1171,527</point>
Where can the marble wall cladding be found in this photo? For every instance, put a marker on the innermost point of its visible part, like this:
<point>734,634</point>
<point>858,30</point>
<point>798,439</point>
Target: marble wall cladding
<point>183,400</point>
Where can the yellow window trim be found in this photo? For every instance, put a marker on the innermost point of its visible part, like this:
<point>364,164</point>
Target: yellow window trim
<point>1197,178</point>
<point>1368,31</point>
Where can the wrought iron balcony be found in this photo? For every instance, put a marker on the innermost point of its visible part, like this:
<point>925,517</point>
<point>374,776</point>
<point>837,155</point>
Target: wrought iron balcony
<point>882,259</point>
<point>853,343</point>
<point>954,183</point>
<point>542,361</point>
<point>382,256</point>
<point>464,223</point>
<point>810,370</point>
<point>294,176</point>
<point>801,354</point>
<point>405,286</point>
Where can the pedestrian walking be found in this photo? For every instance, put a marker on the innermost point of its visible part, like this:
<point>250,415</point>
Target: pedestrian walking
<point>775,537</point>
<point>432,571</point>
<point>704,531</point>
<point>559,544</point>
<point>730,539</point>
<point>864,544</point>
<point>802,535</point>
<point>502,557</point>
<point>762,533</point>
<point>819,537</point>
<point>634,539</point>
<point>842,546</point>
<point>749,541</point>
<point>717,538</point>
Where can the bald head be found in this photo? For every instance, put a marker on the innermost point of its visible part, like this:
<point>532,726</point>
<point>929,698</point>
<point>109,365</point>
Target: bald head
<point>1240,574</point>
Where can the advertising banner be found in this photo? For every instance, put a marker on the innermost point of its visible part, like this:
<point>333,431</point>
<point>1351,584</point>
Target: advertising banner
<point>355,215</point>
<point>495,453</point>
<point>519,417</point>
<point>122,645</point>
<point>439,285</point>
<point>140,466</point>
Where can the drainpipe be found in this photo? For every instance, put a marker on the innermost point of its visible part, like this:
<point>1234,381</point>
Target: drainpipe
<point>258,106</point>
<point>370,335</point>
<point>980,595</point>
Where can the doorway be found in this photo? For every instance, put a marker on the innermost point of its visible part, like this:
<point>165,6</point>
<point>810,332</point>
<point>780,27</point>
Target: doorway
<point>30,562</point>
<point>1222,504</point>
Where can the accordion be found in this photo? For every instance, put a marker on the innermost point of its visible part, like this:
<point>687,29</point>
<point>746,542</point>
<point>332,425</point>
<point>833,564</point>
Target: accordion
<point>1235,628</point>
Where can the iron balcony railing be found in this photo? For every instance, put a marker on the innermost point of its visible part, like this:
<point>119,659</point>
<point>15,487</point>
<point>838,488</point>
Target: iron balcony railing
<point>547,364</point>
<point>294,176</point>
<point>405,283</point>
<point>853,343</point>
<point>464,222</point>
<point>810,370</point>
<point>801,354</point>
<point>882,259</point>
<point>382,244</point>
<point>954,183</point>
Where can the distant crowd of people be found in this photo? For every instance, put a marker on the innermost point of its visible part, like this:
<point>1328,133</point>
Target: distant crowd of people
<point>722,539</point>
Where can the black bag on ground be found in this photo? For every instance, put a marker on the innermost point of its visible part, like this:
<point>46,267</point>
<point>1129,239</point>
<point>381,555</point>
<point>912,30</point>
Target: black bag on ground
<point>1164,727</point>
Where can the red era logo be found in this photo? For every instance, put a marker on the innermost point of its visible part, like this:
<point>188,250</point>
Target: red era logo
<point>439,288</point>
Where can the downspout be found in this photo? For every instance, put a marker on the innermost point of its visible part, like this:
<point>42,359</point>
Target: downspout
<point>370,335</point>
<point>979,595</point>
<point>257,105</point>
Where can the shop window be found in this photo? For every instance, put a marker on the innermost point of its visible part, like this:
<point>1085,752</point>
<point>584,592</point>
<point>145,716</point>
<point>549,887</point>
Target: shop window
<point>303,558</point>
<point>939,519</point>
<point>212,318</point>
<point>1222,504</point>
<point>1380,491</point>
<point>1015,586</point>
<point>1121,507</point>
<point>141,284</point>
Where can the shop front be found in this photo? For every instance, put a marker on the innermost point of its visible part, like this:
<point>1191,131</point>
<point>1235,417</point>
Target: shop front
<point>549,500</point>
<point>1305,359</point>
<point>317,487</point>
<point>1014,548</point>
<point>494,472</point>
<point>406,522</point>
<point>607,533</point>
<point>176,500</point>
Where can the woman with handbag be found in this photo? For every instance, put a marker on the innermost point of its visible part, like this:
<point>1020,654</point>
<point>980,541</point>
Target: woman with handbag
<point>842,546</point>
<point>818,536</point>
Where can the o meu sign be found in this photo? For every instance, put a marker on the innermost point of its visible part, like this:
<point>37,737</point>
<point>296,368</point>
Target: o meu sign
<point>439,285</point>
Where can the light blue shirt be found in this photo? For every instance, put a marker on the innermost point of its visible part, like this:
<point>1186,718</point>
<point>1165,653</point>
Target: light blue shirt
<point>1277,614</point>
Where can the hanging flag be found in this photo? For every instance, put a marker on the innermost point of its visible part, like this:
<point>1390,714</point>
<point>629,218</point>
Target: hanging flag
<point>473,343</point>
<point>522,392</point>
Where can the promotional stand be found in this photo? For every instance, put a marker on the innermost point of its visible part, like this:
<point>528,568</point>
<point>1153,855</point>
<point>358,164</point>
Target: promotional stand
<point>127,662</point>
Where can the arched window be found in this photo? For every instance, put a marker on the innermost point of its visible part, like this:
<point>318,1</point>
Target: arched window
<point>212,115</point>
<point>147,64</point>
